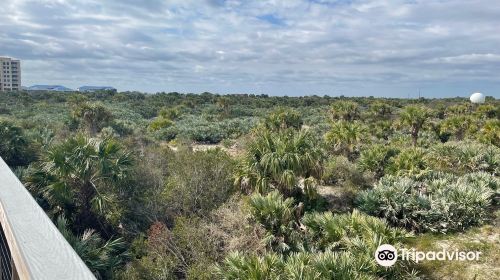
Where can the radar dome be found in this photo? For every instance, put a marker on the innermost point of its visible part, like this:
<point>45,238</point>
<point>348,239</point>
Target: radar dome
<point>477,97</point>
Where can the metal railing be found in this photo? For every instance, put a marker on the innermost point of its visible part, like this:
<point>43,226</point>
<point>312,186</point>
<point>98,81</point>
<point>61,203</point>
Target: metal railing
<point>31,247</point>
<point>7,268</point>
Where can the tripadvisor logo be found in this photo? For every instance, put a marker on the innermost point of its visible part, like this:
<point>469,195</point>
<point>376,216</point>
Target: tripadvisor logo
<point>387,255</point>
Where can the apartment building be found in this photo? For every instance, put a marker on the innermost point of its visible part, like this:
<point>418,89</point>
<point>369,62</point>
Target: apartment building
<point>10,74</point>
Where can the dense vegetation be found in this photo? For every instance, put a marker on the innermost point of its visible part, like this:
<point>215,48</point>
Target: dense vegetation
<point>186,186</point>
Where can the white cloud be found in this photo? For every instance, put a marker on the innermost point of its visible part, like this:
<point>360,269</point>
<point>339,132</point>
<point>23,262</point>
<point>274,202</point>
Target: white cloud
<point>276,46</point>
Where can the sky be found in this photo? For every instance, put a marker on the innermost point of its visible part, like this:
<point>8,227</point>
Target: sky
<point>398,48</point>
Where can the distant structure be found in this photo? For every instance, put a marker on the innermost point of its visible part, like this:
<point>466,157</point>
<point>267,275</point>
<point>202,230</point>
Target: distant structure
<point>95,88</point>
<point>477,97</point>
<point>10,75</point>
<point>49,88</point>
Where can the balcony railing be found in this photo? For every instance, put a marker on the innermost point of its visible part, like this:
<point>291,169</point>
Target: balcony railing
<point>31,247</point>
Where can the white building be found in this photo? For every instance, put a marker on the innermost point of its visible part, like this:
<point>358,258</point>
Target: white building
<point>10,74</point>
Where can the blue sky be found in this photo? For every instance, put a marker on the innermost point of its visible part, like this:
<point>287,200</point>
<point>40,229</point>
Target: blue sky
<point>278,47</point>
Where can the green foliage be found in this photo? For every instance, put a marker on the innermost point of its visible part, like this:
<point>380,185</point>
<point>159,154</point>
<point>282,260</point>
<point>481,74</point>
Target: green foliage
<point>381,129</point>
<point>490,133</point>
<point>237,266</point>
<point>160,123</point>
<point>93,116</point>
<point>344,110</point>
<point>278,216</point>
<point>188,200</point>
<point>340,232</point>
<point>187,251</point>
<point>101,257</point>
<point>345,137</point>
<point>438,203</point>
<point>414,117</point>
<point>380,110</point>
<point>198,181</point>
<point>464,157</point>
<point>376,158</point>
<point>81,177</point>
<point>283,119</point>
<point>170,113</point>
<point>203,131</point>
<point>458,126</point>
<point>410,161</point>
<point>350,241</point>
<point>278,160</point>
<point>489,111</point>
<point>160,261</point>
<point>15,147</point>
<point>458,110</point>
<point>339,170</point>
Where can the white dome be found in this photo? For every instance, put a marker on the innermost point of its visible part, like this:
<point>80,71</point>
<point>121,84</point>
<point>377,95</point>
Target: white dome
<point>477,97</point>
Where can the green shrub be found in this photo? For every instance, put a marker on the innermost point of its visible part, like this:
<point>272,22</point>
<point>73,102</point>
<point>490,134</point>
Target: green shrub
<point>283,119</point>
<point>203,131</point>
<point>334,232</point>
<point>198,182</point>
<point>339,170</point>
<point>160,123</point>
<point>464,157</point>
<point>344,110</point>
<point>15,147</point>
<point>376,158</point>
<point>123,128</point>
<point>490,132</point>
<point>94,116</point>
<point>409,161</point>
<point>342,248</point>
<point>277,216</point>
<point>438,203</point>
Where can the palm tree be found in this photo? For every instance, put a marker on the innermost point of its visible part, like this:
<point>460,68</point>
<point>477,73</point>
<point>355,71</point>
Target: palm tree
<point>380,110</point>
<point>341,247</point>
<point>238,266</point>
<point>344,110</point>
<point>345,136</point>
<point>414,117</point>
<point>81,176</point>
<point>95,116</point>
<point>277,216</point>
<point>283,119</point>
<point>100,257</point>
<point>277,160</point>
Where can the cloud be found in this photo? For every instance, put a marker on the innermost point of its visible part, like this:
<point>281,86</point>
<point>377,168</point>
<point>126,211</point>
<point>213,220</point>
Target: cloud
<point>293,47</point>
